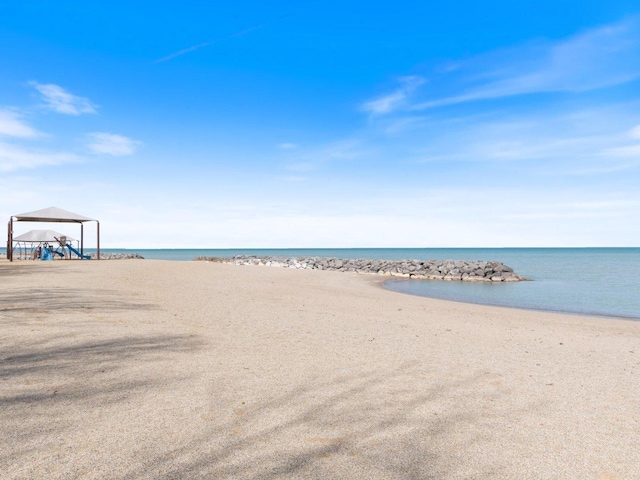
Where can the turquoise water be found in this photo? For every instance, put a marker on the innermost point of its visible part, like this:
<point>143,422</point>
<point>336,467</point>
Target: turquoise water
<point>592,281</point>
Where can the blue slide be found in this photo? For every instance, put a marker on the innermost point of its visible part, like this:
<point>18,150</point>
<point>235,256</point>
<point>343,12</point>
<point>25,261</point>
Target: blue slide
<point>84,257</point>
<point>46,254</point>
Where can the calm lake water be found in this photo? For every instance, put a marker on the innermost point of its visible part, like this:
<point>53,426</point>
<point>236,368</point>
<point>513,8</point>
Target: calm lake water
<point>592,281</point>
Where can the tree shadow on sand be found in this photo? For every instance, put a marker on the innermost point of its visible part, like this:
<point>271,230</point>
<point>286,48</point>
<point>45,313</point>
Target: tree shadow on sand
<point>50,299</point>
<point>377,425</point>
<point>45,381</point>
<point>15,269</point>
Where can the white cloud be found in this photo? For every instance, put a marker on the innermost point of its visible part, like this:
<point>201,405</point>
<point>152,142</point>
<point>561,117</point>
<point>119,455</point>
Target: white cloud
<point>393,101</point>
<point>12,125</point>
<point>345,150</point>
<point>193,48</point>
<point>385,104</point>
<point>59,100</point>
<point>102,143</point>
<point>627,151</point>
<point>597,58</point>
<point>316,158</point>
<point>300,167</point>
<point>395,126</point>
<point>293,178</point>
<point>287,146</point>
<point>13,157</point>
<point>587,141</point>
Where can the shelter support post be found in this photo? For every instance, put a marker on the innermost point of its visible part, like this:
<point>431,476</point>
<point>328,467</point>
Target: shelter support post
<point>82,238</point>
<point>10,241</point>
<point>98,237</point>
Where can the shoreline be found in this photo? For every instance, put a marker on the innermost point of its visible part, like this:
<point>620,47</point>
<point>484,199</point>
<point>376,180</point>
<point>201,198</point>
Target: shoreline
<point>370,278</point>
<point>511,307</point>
<point>541,310</point>
<point>381,280</point>
<point>281,262</point>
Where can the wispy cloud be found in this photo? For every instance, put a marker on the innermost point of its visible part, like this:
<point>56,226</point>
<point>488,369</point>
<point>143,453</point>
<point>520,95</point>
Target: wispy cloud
<point>13,125</point>
<point>396,99</point>
<point>19,141</point>
<point>292,178</point>
<point>15,154</point>
<point>287,146</point>
<point>579,141</point>
<point>102,143</point>
<point>15,157</point>
<point>301,167</point>
<point>342,150</point>
<point>320,157</point>
<point>193,48</point>
<point>395,126</point>
<point>597,58</point>
<point>59,100</point>
<point>585,142</point>
<point>626,151</point>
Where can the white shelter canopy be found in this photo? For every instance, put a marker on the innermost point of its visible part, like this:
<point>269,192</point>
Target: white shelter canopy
<point>38,236</point>
<point>52,214</point>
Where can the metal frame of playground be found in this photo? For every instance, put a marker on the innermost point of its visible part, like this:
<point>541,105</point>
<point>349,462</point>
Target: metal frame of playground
<point>53,215</point>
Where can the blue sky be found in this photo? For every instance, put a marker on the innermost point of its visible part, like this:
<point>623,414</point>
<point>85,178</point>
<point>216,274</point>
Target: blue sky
<point>325,124</point>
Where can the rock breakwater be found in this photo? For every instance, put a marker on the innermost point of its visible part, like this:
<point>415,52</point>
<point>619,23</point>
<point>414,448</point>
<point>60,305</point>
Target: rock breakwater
<point>452,270</point>
<point>117,256</point>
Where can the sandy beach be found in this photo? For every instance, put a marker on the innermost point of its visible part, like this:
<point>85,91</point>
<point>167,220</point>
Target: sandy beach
<point>155,369</point>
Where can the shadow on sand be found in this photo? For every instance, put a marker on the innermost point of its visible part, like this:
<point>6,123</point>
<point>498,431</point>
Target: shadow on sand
<point>48,385</point>
<point>21,268</point>
<point>59,299</point>
<point>378,425</point>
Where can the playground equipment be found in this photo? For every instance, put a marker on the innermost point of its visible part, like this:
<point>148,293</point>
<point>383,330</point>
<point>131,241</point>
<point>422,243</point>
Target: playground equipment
<point>84,257</point>
<point>63,243</point>
<point>53,214</point>
<point>46,245</point>
<point>47,254</point>
<point>28,246</point>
